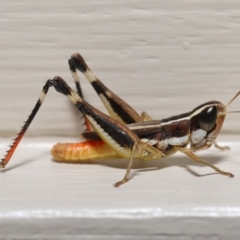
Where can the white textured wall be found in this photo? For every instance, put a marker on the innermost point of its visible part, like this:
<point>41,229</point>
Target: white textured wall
<point>165,57</point>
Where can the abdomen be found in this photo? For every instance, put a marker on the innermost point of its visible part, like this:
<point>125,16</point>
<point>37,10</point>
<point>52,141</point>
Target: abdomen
<point>83,151</point>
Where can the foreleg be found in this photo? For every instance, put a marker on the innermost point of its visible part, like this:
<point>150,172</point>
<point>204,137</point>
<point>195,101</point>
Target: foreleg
<point>195,158</point>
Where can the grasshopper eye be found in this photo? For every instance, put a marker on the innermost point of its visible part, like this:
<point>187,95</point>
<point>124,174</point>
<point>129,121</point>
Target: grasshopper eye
<point>207,118</point>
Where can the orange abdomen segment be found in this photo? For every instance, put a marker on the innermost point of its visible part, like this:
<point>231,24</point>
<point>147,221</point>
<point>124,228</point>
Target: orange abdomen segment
<point>82,151</point>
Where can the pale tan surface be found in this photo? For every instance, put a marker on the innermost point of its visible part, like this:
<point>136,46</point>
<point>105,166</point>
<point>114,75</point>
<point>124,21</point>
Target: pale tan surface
<point>41,198</point>
<point>164,57</point>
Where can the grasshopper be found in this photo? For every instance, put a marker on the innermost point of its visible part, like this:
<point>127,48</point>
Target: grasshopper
<point>125,133</point>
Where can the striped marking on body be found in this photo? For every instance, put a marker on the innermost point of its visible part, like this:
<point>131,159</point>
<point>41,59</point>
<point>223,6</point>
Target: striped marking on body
<point>111,111</point>
<point>122,151</point>
<point>168,121</point>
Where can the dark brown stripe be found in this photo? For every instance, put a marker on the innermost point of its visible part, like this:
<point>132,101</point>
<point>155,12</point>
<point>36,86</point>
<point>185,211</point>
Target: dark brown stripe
<point>204,104</point>
<point>176,117</point>
<point>117,108</point>
<point>183,115</point>
<point>110,126</point>
<point>176,129</point>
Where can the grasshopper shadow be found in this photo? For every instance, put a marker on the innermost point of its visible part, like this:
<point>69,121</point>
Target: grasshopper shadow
<point>181,162</point>
<point>25,162</point>
<point>154,165</point>
<point>139,165</point>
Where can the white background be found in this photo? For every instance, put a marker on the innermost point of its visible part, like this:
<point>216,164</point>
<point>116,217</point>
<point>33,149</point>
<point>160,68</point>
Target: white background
<point>164,57</point>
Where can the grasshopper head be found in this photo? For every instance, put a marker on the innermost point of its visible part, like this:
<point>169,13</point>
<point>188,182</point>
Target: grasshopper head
<point>205,123</point>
